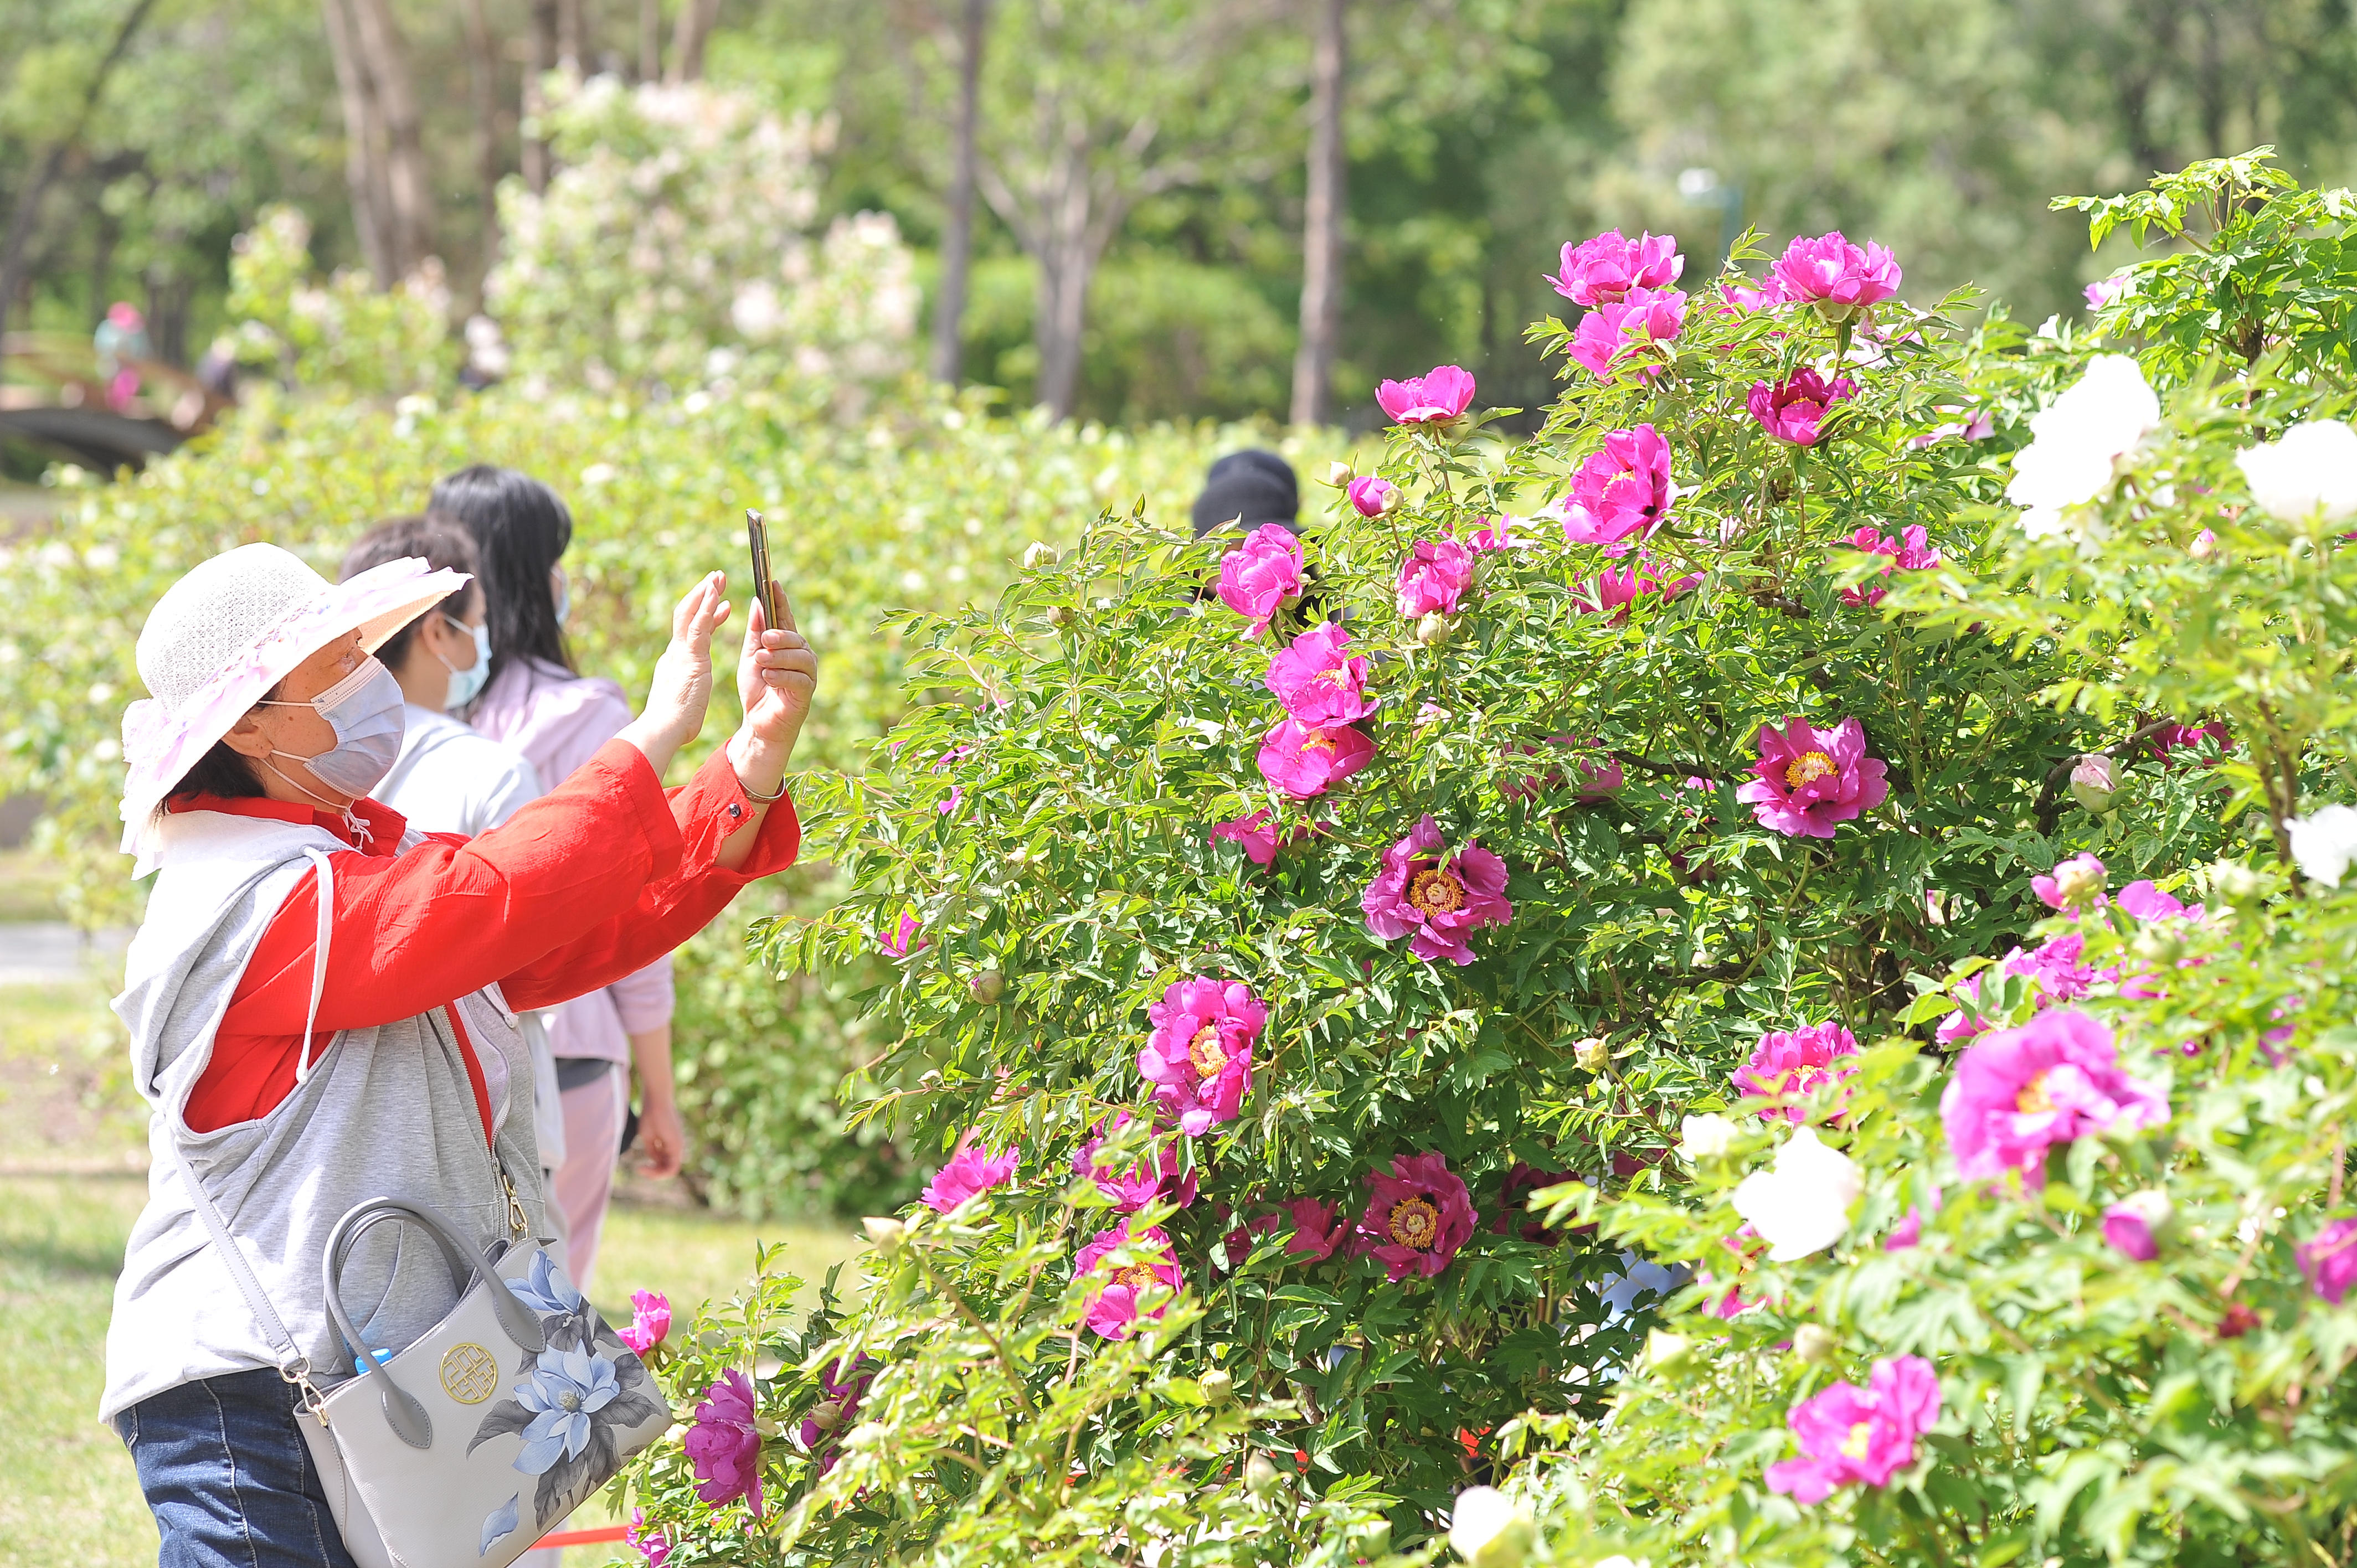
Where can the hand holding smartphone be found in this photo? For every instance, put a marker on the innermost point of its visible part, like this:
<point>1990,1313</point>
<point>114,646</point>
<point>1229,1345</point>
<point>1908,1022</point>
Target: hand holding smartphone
<point>776,613</point>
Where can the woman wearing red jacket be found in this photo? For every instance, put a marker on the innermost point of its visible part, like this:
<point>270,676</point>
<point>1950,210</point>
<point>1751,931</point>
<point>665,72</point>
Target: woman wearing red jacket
<point>322,1003</point>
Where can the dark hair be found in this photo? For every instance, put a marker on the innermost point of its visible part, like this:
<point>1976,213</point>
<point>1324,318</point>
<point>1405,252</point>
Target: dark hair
<point>1248,487</point>
<point>223,771</point>
<point>442,541</point>
<point>520,527</point>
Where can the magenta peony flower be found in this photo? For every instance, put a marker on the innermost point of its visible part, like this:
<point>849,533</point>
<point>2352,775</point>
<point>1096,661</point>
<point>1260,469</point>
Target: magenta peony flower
<point>2132,1224</point>
<point>1440,393</point>
<point>1153,1180</point>
<point>1740,298</point>
<point>1256,834</point>
<point>652,1544</point>
<point>2018,1092</point>
<point>1623,491</point>
<point>1603,270</point>
<point>1617,589</point>
<point>836,1411</point>
<point>1434,578</point>
<point>1513,1197</point>
<point>905,941</point>
<point>1305,762</point>
<point>1112,1311</point>
<point>1418,1217</point>
<point>1907,1234</point>
<point>971,1171</point>
<point>2101,293</point>
<point>1853,1437</point>
<point>2329,1260</point>
<point>724,1447</point>
<point>1791,1063</point>
<point>1441,898</point>
<point>2076,884</point>
<point>650,1321</point>
<point>1910,552</point>
<point>1597,779</point>
<point>1810,778</point>
<point>1499,536</point>
<point>1794,409</point>
<point>1199,1058</point>
<point>2192,738</point>
<point>1373,495</point>
<point>1317,1228</point>
<point>1262,576</point>
<point>2147,902</point>
<point>1835,275</point>
<point>1626,329</point>
<point>1318,681</point>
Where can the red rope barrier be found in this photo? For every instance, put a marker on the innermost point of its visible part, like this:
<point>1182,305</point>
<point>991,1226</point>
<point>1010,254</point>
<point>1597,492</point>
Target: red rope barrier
<point>584,1537</point>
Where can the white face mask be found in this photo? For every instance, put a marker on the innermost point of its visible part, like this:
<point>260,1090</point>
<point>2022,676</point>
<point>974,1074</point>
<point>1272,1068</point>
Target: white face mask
<point>467,684</point>
<point>365,709</point>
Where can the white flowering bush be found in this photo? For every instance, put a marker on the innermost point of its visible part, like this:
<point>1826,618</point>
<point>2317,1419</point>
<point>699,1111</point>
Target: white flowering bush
<point>677,244</point>
<point>339,330</point>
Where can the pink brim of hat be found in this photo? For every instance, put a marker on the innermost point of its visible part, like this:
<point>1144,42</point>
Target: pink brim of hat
<point>159,747</point>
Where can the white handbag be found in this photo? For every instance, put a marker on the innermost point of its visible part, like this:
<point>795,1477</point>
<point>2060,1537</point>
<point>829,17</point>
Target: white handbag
<point>463,1449</point>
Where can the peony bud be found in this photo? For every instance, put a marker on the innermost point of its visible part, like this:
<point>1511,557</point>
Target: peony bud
<point>2204,545</point>
<point>1038,553</point>
<point>1261,1477</point>
<point>1062,615</point>
<point>1491,1529</point>
<point>1593,1054</point>
<point>2077,881</point>
<point>885,1232</point>
<point>1432,630</point>
<point>2092,784</point>
<point>1705,1137</point>
<point>1218,1385</point>
<point>1338,473</point>
<point>2236,883</point>
<point>986,987</point>
<point>1814,1344</point>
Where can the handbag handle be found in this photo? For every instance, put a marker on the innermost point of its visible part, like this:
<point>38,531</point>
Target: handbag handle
<point>402,1412</point>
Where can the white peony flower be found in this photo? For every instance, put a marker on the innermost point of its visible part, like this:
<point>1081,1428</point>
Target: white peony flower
<point>2323,844</point>
<point>2078,440</point>
<point>2312,469</point>
<point>1491,1529</point>
<point>1704,1137</point>
<point>1803,1204</point>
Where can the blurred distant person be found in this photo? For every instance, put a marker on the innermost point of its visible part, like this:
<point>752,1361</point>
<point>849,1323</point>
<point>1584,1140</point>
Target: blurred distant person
<point>120,339</point>
<point>216,368</point>
<point>1247,490</point>
<point>448,779</point>
<point>538,704</point>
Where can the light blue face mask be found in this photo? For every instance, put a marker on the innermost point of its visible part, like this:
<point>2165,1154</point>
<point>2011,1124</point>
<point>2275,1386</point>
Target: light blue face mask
<point>467,684</point>
<point>364,710</point>
<point>564,602</point>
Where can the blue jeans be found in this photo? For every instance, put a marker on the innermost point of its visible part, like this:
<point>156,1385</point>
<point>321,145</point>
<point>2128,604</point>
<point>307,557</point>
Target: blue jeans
<point>226,1471</point>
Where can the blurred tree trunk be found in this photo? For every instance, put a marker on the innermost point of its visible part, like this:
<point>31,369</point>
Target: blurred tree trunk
<point>571,37</point>
<point>24,215</point>
<point>408,186</point>
<point>957,238</point>
<point>649,40</point>
<point>540,59</point>
<point>483,79</point>
<point>1321,226</point>
<point>363,137</point>
<point>695,20</point>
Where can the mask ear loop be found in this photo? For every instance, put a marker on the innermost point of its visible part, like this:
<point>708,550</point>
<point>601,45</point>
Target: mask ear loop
<point>327,876</point>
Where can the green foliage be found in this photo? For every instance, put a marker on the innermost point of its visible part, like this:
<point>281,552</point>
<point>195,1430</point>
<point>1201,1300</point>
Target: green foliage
<point>338,331</point>
<point>923,504</point>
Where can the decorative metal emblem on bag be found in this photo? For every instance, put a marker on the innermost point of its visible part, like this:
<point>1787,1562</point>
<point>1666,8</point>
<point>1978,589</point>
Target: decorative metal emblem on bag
<point>470,1375</point>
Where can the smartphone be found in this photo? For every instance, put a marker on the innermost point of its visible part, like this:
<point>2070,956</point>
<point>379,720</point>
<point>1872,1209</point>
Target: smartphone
<point>775,612</point>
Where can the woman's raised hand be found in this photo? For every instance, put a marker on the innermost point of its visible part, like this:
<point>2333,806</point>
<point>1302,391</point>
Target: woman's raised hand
<point>681,687</point>
<point>776,673</point>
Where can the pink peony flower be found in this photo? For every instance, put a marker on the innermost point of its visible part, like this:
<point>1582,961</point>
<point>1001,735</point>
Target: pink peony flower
<point>1499,536</point>
<point>2103,290</point>
<point>1794,409</point>
<point>1155,1178</point>
<point>652,1544</point>
<point>1240,1239</point>
<point>905,941</point>
<point>1835,275</point>
<point>836,1411</point>
<point>1513,1198</point>
<point>1854,1436</point>
<point>1262,576</point>
<point>1112,1311</point>
<point>1627,328</point>
<point>1810,778</point>
<point>1417,1217</point>
<point>2076,884</point>
<point>1441,898</point>
<point>1199,1058</point>
<point>1305,761</point>
<point>970,1173</point>
<point>1318,681</point>
<point>1789,1064</point>
<point>1603,270</point>
<point>1434,578</point>
<point>2147,902</point>
<point>1740,298</point>
<point>2190,737</point>
<point>1373,495</point>
<point>1617,589</point>
<point>650,1321</point>
<point>1910,552</point>
<point>1256,834</point>
<point>1622,490</point>
<point>949,805</point>
<point>2132,1224</point>
<point>2018,1092</point>
<point>1907,1234</point>
<point>1597,779</point>
<point>1440,393</point>
<point>1317,1228</point>
<point>724,1447</point>
<point>2329,1260</point>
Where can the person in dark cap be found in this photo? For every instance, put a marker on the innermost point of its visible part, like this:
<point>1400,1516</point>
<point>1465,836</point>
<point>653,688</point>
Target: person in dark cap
<point>1248,489</point>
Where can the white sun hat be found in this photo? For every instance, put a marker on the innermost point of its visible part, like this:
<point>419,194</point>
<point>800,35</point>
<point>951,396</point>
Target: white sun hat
<point>230,630</point>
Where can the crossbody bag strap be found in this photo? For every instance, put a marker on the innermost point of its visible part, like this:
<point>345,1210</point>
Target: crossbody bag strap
<point>294,1366</point>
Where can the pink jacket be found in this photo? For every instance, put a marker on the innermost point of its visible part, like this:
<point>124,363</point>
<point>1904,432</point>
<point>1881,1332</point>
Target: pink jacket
<point>558,720</point>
